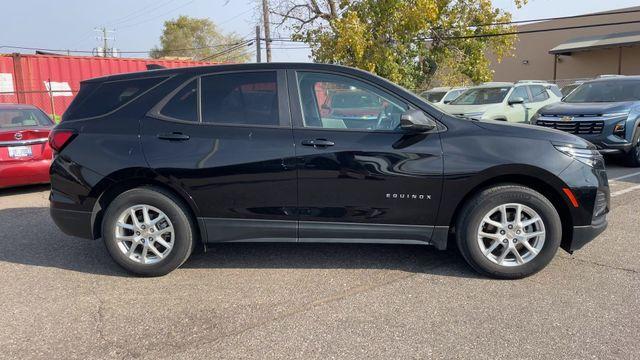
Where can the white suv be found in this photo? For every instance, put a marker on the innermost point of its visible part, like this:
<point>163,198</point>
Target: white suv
<point>504,101</point>
<point>442,95</point>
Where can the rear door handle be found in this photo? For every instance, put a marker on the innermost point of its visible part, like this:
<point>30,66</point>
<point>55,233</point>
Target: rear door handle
<point>318,143</point>
<point>176,136</point>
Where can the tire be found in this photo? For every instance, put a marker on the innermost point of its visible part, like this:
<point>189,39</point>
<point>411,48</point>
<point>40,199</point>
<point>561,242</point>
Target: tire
<point>472,220</point>
<point>176,230</point>
<point>632,158</point>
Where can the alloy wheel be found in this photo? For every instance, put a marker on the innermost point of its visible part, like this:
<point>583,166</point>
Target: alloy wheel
<point>511,234</point>
<point>144,234</point>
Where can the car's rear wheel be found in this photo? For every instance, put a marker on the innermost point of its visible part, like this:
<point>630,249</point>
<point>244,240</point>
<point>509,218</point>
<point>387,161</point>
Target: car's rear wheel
<point>148,231</point>
<point>508,232</point>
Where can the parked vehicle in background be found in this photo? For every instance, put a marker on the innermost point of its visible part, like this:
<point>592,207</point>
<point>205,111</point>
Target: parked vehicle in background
<point>605,111</point>
<point>442,95</point>
<point>504,101</point>
<point>25,154</point>
<point>154,163</point>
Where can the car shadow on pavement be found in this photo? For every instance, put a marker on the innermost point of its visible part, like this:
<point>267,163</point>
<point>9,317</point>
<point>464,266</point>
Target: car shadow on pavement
<point>30,237</point>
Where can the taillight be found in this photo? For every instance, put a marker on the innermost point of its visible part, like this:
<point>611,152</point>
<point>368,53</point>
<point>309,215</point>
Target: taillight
<point>58,139</point>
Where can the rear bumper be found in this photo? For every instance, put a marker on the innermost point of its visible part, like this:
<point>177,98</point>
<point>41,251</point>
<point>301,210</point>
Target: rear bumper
<point>72,222</point>
<point>24,173</point>
<point>584,234</point>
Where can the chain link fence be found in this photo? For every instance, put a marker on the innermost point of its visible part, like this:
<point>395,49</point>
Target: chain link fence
<point>52,102</point>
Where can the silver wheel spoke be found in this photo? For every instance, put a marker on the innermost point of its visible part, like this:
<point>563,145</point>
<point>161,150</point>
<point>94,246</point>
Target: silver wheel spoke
<point>125,238</point>
<point>155,251</point>
<point>533,234</point>
<point>165,230</point>
<point>161,241</point>
<point>492,222</point>
<point>531,221</point>
<point>143,256</point>
<point>529,247</point>
<point>491,236</point>
<point>145,215</point>
<point>132,248</point>
<point>503,215</point>
<point>519,259</point>
<point>156,220</point>
<point>134,218</point>
<point>493,246</point>
<point>518,213</point>
<point>503,255</point>
<point>125,226</point>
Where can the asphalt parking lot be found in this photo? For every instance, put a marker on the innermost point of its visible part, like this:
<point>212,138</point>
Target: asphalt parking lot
<point>65,298</point>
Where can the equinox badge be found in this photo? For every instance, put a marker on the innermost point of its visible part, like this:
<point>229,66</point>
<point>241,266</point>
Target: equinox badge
<point>409,196</point>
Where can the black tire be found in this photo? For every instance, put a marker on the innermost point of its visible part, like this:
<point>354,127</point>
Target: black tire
<point>477,207</point>
<point>173,208</point>
<point>632,158</point>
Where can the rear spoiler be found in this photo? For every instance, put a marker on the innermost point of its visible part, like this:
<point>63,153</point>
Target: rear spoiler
<point>155,67</point>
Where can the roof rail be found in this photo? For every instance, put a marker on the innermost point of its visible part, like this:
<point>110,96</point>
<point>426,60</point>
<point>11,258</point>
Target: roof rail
<point>531,82</point>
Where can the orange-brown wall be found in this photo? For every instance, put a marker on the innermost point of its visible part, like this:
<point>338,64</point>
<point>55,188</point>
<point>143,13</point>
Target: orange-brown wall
<point>535,48</point>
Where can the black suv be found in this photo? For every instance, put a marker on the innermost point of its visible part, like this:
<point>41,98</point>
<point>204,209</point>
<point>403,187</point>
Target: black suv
<point>604,111</point>
<point>157,162</point>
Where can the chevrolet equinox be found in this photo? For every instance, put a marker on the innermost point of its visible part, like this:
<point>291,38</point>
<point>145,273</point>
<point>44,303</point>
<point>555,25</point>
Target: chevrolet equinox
<point>157,162</point>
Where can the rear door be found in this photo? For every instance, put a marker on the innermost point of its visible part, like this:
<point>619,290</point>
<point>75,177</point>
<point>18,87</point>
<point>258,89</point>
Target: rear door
<point>226,140</point>
<point>360,177</point>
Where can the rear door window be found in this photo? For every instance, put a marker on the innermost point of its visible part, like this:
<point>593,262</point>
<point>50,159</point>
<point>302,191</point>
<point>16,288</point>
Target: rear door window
<point>109,96</point>
<point>183,105</point>
<point>245,98</point>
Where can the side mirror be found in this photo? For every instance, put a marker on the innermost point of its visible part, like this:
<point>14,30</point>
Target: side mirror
<point>416,121</point>
<point>516,100</point>
<point>446,101</point>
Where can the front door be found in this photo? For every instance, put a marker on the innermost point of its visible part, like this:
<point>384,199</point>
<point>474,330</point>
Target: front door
<point>226,141</point>
<point>360,176</point>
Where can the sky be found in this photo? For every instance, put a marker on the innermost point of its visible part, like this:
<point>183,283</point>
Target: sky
<point>69,24</point>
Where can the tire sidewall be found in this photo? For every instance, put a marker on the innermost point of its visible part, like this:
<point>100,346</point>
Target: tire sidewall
<point>535,201</point>
<point>183,238</point>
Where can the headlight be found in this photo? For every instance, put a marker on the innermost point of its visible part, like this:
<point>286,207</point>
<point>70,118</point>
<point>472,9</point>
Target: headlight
<point>617,114</point>
<point>619,129</point>
<point>586,156</point>
<point>474,115</point>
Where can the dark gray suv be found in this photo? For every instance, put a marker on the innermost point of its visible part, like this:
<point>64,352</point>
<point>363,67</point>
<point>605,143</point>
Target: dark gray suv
<point>604,111</point>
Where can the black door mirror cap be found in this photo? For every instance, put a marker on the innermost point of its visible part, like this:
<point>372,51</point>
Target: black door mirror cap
<point>416,121</point>
<point>516,100</point>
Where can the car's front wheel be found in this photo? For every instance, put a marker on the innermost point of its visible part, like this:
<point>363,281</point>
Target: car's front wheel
<point>148,231</point>
<point>508,232</point>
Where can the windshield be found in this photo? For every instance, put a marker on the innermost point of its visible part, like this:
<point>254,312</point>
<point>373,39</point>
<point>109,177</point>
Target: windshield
<point>433,96</point>
<point>480,96</point>
<point>20,118</point>
<point>452,95</point>
<point>606,91</point>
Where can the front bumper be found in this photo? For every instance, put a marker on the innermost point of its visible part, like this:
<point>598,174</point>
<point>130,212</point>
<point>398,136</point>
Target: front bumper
<point>584,234</point>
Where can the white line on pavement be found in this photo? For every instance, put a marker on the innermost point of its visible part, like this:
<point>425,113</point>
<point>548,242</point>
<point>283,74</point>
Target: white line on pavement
<point>625,176</point>
<point>624,191</point>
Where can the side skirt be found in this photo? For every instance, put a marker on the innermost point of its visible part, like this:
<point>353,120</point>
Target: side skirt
<point>254,230</point>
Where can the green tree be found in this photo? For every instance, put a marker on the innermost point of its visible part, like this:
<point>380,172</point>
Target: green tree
<point>199,39</point>
<point>410,42</point>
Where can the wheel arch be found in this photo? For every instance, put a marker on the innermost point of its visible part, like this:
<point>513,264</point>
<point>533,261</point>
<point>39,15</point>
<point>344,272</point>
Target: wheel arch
<point>126,180</point>
<point>530,181</point>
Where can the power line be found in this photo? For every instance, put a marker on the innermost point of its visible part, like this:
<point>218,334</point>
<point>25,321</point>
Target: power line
<point>556,18</point>
<point>229,50</point>
<point>158,16</point>
<point>140,12</point>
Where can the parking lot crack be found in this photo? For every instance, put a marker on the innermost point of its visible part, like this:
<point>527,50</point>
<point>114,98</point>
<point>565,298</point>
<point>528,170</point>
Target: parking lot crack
<point>590,262</point>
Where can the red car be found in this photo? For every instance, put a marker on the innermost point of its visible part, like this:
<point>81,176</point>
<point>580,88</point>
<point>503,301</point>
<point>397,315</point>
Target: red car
<point>25,155</point>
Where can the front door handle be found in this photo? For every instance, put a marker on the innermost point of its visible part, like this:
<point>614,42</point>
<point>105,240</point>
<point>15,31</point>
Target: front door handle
<point>318,143</point>
<point>175,136</point>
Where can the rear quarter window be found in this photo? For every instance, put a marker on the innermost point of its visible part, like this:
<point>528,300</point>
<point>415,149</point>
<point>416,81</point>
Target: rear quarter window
<point>100,99</point>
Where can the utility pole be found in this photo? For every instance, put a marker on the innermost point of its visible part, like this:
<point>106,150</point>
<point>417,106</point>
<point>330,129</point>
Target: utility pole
<point>258,49</point>
<point>267,32</point>
<point>106,50</point>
